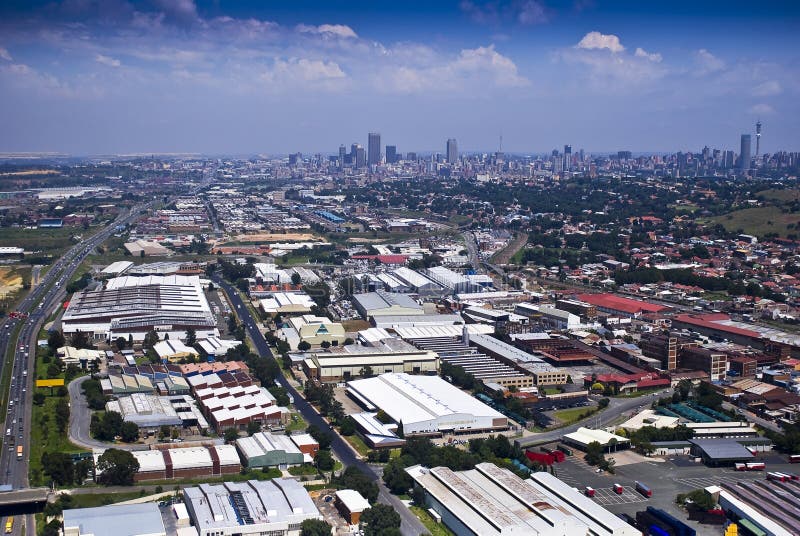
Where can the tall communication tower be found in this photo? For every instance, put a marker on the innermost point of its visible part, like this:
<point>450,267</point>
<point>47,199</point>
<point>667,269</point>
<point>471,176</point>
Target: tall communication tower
<point>758,137</point>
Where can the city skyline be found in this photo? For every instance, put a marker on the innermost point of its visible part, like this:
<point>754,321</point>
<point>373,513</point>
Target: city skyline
<point>244,78</point>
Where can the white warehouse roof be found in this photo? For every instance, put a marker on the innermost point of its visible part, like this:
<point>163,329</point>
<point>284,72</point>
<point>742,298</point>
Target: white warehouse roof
<point>425,403</point>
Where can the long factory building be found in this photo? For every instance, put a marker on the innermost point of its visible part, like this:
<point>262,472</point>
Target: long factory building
<point>134,306</point>
<point>425,405</point>
<point>490,500</point>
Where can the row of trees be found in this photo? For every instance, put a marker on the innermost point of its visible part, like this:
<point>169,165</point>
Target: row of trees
<point>111,425</point>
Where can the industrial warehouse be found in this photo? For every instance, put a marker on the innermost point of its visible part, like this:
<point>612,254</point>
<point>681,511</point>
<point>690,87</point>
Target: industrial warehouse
<point>490,500</point>
<point>425,405</point>
<point>254,507</point>
<point>133,306</point>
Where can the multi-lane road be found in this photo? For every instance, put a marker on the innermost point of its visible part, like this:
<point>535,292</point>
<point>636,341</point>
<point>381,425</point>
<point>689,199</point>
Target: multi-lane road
<point>38,305</point>
<point>410,525</point>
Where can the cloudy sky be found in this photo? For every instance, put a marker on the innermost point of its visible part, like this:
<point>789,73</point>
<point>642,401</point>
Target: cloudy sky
<point>119,76</point>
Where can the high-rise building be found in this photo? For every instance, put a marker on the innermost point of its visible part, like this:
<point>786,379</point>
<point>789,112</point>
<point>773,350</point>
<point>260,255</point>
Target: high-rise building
<point>452,151</point>
<point>374,147</point>
<point>567,157</point>
<point>342,155</point>
<point>357,155</point>
<point>758,138</point>
<point>391,154</point>
<point>295,158</point>
<point>728,163</point>
<point>411,157</point>
<point>744,153</point>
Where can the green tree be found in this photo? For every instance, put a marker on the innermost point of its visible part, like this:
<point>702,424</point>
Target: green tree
<point>116,467</point>
<point>191,337</point>
<point>296,279</point>
<point>304,346</point>
<point>62,415</point>
<point>59,467</point>
<point>347,426</point>
<point>231,434</point>
<point>366,371</point>
<point>55,340</point>
<point>315,527</point>
<point>353,478</point>
<point>38,398</point>
<point>121,343</point>
<point>109,426</point>
<point>379,520</point>
<point>253,428</point>
<point>129,432</point>
<point>324,461</point>
<point>396,478</point>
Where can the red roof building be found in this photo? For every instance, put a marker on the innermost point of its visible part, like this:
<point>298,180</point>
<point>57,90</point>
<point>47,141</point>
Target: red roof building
<point>612,304</point>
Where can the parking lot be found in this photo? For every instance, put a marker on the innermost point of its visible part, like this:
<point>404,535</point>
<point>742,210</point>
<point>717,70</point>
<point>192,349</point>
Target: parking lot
<point>666,477</point>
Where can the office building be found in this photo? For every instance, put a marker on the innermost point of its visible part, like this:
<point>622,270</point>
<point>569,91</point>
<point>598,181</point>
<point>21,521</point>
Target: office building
<point>567,157</point>
<point>489,500</point>
<point>276,507</point>
<point>118,519</point>
<point>452,151</point>
<point>744,153</point>
<point>391,154</point>
<point>374,147</point>
<point>709,361</point>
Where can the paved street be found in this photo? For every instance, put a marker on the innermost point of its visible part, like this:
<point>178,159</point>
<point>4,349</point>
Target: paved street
<point>411,526</point>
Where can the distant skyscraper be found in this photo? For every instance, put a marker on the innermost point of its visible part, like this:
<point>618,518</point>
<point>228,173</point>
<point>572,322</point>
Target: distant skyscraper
<point>357,155</point>
<point>728,163</point>
<point>391,154</point>
<point>342,155</point>
<point>411,157</point>
<point>758,138</point>
<point>374,147</point>
<point>744,153</point>
<point>567,157</point>
<point>452,151</point>
<point>294,158</point>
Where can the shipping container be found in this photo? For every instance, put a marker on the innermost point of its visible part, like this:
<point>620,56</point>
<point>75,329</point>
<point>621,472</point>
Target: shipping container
<point>589,491</point>
<point>756,466</point>
<point>565,450</point>
<point>643,489</point>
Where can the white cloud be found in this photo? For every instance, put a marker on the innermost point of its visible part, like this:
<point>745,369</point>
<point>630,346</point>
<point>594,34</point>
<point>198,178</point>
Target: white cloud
<point>481,67</point>
<point>107,60</point>
<point>4,54</point>
<point>330,30</point>
<point>652,56</point>
<point>770,88</point>
<point>708,62</point>
<point>761,109</point>
<point>596,40</point>
<point>303,73</point>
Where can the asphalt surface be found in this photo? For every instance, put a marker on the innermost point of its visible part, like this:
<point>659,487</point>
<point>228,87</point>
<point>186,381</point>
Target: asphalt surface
<point>79,418</point>
<point>38,304</point>
<point>410,524</point>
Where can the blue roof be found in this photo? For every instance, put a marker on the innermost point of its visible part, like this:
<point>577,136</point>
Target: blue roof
<point>116,519</point>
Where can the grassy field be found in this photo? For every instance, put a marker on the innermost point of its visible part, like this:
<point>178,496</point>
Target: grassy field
<point>571,415</point>
<point>780,194</point>
<point>760,221</point>
<point>358,444</point>
<point>45,241</point>
<point>434,528</point>
<point>297,423</point>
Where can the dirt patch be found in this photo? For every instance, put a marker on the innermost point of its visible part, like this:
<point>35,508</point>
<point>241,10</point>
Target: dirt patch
<point>10,280</point>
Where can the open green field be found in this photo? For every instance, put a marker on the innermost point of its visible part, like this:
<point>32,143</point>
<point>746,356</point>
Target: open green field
<point>568,416</point>
<point>42,241</point>
<point>435,529</point>
<point>760,221</point>
<point>791,194</point>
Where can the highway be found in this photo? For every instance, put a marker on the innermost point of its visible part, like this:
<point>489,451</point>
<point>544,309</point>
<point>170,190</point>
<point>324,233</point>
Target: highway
<point>411,526</point>
<point>45,298</point>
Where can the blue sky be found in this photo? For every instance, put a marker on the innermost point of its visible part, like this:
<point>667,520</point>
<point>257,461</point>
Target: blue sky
<point>118,76</point>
